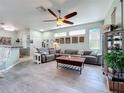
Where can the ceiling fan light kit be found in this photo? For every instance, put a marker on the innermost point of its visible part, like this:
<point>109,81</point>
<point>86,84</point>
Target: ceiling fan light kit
<point>61,20</point>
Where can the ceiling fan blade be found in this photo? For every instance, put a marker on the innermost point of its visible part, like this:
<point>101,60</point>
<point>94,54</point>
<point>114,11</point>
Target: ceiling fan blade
<point>52,13</point>
<point>68,22</point>
<point>48,20</point>
<point>70,15</point>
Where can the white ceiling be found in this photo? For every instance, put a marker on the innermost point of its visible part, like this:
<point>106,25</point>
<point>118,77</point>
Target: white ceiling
<point>23,13</point>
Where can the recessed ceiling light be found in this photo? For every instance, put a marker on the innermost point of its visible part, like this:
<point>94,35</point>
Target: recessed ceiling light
<point>8,28</point>
<point>41,30</point>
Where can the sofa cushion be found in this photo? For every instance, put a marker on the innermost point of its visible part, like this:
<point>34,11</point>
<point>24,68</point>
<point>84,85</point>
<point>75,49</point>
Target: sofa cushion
<point>93,53</point>
<point>52,51</point>
<point>72,52</point>
<point>42,50</point>
<point>89,56</point>
<point>90,59</point>
<point>46,53</point>
<point>50,57</point>
<point>58,51</point>
<point>87,52</point>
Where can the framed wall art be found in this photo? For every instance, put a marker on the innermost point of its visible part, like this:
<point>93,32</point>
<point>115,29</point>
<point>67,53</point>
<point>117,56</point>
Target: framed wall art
<point>61,40</point>
<point>5,40</point>
<point>81,39</point>
<point>57,40</point>
<point>67,40</point>
<point>75,39</point>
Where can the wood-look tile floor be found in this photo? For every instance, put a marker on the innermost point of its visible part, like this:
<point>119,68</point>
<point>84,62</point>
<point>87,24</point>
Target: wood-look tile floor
<point>29,77</point>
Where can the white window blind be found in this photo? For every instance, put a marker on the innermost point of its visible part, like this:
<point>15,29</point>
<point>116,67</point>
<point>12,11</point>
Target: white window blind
<point>62,34</point>
<point>94,38</point>
<point>77,32</point>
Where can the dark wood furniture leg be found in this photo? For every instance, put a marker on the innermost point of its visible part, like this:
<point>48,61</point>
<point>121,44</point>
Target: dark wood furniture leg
<point>83,65</point>
<point>57,65</point>
<point>80,70</point>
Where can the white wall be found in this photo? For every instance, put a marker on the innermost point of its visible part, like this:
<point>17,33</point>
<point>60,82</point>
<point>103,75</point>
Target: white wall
<point>8,34</point>
<point>36,36</point>
<point>85,46</point>
<point>116,4</point>
<point>24,36</point>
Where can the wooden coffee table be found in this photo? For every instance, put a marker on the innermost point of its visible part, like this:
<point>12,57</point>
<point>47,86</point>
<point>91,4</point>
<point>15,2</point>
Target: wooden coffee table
<point>71,61</point>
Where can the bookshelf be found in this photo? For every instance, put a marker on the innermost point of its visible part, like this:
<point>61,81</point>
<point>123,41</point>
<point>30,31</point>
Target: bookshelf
<point>114,41</point>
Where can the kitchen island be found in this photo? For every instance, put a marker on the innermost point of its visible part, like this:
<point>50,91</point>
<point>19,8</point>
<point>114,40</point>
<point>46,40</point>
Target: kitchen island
<point>9,57</point>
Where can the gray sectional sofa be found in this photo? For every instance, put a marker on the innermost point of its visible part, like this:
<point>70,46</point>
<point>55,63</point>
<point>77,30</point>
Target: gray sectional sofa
<point>91,57</point>
<point>47,54</point>
<point>50,54</point>
<point>94,59</point>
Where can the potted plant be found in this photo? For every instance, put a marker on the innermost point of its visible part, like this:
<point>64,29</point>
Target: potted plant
<point>115,60</point>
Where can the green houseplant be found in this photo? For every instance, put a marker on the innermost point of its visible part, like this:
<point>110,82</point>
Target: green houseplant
<point>115,60</point>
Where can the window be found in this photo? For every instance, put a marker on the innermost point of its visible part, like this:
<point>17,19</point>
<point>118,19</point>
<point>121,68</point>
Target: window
<point>78,32</point>
<point>60,34</point>
<point>94,38</point>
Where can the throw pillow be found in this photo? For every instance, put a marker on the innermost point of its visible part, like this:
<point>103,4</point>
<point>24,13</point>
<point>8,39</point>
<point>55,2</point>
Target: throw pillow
<point>93,53</point>
<point>46,53</point>
<point>38,50</point>
<point>87,52</point>
<point>58,51</point>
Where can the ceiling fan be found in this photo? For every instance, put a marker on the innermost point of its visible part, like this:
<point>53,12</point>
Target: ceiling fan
<point>61,20</point>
